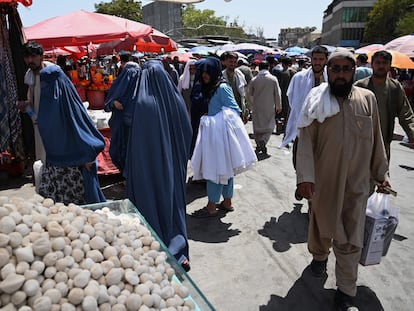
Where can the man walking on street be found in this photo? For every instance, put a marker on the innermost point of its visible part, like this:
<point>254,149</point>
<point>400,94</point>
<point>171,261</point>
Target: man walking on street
<point>298,89</point>
<point>339,149</point>
<point>391,98</point>
<point>284,77</point>
<point>264,93</point>
<point>236,80</point>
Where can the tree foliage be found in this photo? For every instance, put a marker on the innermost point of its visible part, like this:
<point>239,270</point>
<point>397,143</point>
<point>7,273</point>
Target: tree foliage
<point>204,22</point>
<point>129,9</point>
<point>406,24</point>
<point>389,19</point>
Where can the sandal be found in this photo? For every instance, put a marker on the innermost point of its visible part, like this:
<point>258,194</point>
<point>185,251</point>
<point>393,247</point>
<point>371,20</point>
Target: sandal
<point>204,213</point>
<point>226,209</point>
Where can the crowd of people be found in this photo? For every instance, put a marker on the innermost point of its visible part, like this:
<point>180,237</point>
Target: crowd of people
<point>337,112</point>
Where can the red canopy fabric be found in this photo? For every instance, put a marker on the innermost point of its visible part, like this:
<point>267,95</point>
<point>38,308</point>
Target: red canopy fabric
<point>153,43</point>
<point>82,27</point>
<point>182,57</point>
<point>24,2</point>
<point>75,51</point>
<point>156,42</point>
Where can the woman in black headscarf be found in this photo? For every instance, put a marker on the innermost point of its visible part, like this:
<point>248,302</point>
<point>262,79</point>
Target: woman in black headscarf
<point>222,147</point>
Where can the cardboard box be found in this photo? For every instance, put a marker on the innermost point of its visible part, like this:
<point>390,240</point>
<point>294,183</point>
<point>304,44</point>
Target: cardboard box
<point>377,238</point>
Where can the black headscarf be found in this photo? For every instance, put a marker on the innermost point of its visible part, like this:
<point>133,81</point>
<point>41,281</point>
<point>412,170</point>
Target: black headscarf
<point>212,66</point>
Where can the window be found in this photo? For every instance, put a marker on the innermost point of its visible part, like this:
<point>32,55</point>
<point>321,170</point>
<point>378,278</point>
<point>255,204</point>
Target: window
<point>355,15</point>
<point>352,33</point>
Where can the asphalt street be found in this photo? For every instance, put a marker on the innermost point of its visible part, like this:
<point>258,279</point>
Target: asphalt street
<point>256,257</point>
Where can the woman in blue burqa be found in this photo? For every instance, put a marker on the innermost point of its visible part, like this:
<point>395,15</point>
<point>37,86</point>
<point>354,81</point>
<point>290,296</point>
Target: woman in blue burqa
<point>156,163</point>
<point>71,142</point>
<point>121,101</point>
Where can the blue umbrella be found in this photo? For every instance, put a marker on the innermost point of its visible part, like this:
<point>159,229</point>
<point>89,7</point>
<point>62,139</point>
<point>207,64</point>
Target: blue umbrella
<point>245,48</point>
<point>330,49</point>
<point>296,51</point>
<point>203,50</point>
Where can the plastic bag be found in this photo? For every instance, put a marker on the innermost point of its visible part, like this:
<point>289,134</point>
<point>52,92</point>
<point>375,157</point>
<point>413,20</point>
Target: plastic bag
<point>37,172</point>
<point>378,205</point>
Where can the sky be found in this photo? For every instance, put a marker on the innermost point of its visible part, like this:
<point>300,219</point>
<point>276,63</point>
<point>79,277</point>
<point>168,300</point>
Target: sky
<point>271,15</point>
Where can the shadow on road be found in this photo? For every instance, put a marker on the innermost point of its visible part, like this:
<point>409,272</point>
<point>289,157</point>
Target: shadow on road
<point>195,190</point>
<point>308,293</point>
<point>410,146</point>
<point>210,230</point>
<point>406,167</point>
<point>290,228</point>
<point>262,156</point>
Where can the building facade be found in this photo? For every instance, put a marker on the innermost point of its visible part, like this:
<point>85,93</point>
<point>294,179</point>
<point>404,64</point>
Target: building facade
<point>294,36</point>
<point>344,22</point>
<point>163,16</point>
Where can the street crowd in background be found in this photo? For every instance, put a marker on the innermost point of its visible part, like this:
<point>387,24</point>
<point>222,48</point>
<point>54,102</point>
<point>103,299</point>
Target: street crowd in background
<point>335,110</point>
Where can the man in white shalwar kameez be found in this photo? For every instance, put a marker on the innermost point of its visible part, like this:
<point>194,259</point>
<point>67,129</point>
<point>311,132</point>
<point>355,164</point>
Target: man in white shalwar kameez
<point>265,96</point>
<point>299,87</point>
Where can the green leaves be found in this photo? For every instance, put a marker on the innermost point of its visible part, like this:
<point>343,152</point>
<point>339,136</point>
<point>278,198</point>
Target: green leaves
<point>129,9</point>
<point>389,19</point>
<point>204,22</point>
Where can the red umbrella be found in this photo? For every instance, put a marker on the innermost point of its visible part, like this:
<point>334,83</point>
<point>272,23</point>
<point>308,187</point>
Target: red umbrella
<point>24,2</point>
<point>182,57</point>
<point>154,42</point>
<point>76,51</point>
<point>82,27</point>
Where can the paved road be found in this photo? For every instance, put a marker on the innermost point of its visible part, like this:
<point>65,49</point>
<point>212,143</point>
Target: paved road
<point>256,258</point>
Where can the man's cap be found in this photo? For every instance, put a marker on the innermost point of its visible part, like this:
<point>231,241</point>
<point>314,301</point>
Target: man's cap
<point>342,53</point>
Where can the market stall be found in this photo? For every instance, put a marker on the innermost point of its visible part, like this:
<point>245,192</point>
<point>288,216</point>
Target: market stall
<point>92,257</point>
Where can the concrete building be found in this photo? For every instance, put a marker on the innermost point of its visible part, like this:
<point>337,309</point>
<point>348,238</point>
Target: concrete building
<point>308,39</point>
<point>344,22</point>
<point>163,16</point>
<point>294,36</point>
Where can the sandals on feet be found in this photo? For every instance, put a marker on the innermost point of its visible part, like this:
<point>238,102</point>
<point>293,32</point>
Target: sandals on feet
<point>226,209</point>
<point>204,213</point>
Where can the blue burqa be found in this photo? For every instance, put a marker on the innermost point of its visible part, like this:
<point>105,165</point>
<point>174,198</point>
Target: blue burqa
<point>125,90</point>
<point>68,134</point>
<point>158,150</point>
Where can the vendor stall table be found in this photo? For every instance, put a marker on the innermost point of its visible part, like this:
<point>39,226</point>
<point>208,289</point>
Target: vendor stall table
<point>181,277</point>
<point>100,118</point>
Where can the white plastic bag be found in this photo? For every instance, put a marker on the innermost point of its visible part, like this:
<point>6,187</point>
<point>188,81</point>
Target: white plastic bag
<point>379,205</point>
<point>37,172</point>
